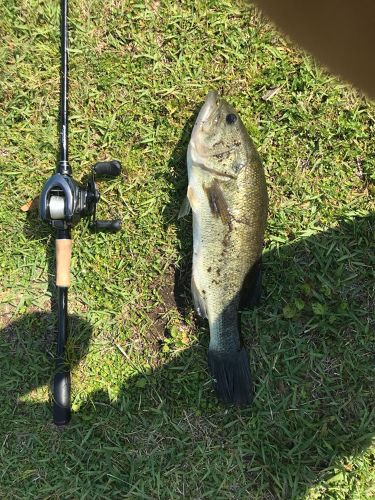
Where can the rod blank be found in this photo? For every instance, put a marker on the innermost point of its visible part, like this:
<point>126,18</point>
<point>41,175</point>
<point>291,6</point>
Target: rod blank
<point>63,166</point>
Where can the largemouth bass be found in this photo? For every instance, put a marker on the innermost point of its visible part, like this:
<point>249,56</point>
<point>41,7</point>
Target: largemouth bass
<point>228,197</point>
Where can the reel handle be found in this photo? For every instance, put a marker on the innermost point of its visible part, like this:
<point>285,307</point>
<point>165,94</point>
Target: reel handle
<point>107,168</point>
<point>107,225</point>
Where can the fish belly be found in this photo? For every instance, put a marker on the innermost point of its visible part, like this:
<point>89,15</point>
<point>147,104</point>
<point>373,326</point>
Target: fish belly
<point>221,260</point>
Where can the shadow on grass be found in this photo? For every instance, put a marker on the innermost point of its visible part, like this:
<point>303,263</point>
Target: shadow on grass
<point>313,393</point>
<point>165,435</point>
<point>35,229</point>
<point>27,360</point>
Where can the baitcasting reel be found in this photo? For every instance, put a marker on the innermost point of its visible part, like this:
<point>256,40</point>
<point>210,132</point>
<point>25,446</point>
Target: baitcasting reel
<point>63,202</point>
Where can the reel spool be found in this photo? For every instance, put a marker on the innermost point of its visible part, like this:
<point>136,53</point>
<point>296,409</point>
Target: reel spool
<point>56,207</point>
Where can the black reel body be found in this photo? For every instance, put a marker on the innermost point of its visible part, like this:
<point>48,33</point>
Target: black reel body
<point>63,202</point>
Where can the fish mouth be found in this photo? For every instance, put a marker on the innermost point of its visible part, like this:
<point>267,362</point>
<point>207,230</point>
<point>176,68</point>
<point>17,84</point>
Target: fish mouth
<point>210,106</point>
<point>209,109</point>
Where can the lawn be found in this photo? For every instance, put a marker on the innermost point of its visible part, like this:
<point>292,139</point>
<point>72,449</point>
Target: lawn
<point>146,424</point>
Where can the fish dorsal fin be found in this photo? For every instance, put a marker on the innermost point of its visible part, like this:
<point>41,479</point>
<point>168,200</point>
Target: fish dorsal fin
<point>252,287</point>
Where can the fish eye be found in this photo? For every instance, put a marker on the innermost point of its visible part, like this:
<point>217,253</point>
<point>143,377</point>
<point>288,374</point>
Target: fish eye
<point>231,118</point>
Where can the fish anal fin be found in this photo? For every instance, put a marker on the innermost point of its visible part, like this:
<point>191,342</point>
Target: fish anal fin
<point>199,302</point>
<point>252,287</point>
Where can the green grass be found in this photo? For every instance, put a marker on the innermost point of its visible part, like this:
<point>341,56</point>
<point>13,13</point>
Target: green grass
<point>146,424</point>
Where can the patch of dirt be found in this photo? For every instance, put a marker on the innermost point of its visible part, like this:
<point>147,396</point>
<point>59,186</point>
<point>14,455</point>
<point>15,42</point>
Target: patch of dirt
<point>174,299</point>
<point>167,290</point>
<point>169,312</point>
<point>6,313</point>
<point>160,314</point>
<point>181,290</point>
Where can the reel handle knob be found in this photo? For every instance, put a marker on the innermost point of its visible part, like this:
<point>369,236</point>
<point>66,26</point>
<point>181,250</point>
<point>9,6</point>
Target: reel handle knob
<point>107,225</point>
<point>107,168</point>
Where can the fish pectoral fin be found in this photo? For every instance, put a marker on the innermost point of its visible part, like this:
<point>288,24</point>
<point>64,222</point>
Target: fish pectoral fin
<point>199,302</point>
<point>185,208</point>
<point>217,201</point>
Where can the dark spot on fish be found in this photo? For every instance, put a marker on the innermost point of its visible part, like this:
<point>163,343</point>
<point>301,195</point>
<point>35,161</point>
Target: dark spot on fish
<point>209,269</point>
<point>217,202</point>
<point>231,118</point>
<point>203,291</point>
<point>218,272</point>
<point>219,143</point>
<point>226,239</point>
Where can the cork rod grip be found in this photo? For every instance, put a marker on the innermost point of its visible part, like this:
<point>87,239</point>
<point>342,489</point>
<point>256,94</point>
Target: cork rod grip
<point>63,257</point>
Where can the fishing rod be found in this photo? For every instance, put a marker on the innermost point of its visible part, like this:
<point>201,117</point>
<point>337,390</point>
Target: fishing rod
<point>63,202</point>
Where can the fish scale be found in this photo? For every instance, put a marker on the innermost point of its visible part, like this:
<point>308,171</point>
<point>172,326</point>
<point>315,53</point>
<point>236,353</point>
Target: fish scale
<point>228,197</point>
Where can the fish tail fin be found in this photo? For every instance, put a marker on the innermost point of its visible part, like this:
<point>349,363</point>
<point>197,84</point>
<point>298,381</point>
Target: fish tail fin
<point>232,376</point>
